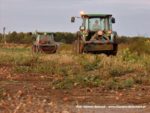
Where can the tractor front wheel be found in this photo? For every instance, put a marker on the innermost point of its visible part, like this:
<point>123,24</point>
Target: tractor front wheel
<point>114,51</point>
<point>78,47</point>
<point>35,49</point>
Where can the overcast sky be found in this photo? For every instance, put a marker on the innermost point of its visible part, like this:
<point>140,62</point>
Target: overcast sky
<point>132,16</point>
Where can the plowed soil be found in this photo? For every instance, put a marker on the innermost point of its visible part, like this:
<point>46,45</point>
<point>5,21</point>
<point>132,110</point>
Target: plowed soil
<point>31,93</point>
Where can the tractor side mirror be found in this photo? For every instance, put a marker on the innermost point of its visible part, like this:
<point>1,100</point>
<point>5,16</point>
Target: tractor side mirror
<point>82,28</point>
<point>72,19</point>
<point>113,20</point>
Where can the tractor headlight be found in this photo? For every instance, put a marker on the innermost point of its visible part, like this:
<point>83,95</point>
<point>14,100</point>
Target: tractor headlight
<point>109,32</point>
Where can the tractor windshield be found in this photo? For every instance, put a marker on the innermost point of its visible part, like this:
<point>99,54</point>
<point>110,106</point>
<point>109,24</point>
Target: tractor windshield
<point>95,24</point>
<point>44,39</point>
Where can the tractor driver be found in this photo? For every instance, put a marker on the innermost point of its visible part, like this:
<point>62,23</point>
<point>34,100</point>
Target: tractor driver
<point>96,25</point>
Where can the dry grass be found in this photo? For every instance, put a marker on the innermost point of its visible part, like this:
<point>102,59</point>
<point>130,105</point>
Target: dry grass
<point>74,68</point>
<point>64,70</point>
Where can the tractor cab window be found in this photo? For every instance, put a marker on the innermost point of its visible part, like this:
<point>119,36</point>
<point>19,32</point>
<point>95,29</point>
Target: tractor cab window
<point>45,39</point>
<point>96,24</point>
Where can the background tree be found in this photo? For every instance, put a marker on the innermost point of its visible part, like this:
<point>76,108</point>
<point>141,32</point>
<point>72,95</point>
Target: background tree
<point>1,36</point>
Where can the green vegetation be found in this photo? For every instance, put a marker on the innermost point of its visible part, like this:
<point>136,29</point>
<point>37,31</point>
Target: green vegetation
<point>130,67</point>
<point>90,65</point>
<point>28,38</point>
<point>2,91</point>
<point>134,43</point>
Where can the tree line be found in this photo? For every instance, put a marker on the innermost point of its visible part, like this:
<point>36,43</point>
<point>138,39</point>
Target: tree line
<point>64,37</point>
<point>29,38</point>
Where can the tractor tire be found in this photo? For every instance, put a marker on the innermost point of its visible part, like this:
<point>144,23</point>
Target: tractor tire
<point>78,47</point>
<point>112,52</point>
<point>53,50</point>
<point>115,50</point>
<point>35,49</point>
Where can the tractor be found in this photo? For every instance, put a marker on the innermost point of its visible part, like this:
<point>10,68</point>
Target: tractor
<point>92,25</point>
<point>44,42</point>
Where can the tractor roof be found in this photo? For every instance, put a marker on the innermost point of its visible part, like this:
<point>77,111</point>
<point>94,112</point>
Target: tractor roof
<point>42,33</point>
<point>97,15</point>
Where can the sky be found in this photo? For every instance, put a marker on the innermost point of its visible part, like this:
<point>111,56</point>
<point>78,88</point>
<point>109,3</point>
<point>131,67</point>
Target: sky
<point>132,16</point>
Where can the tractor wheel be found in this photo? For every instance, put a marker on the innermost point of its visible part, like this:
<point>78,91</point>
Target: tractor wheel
<point>115,45</point>
<point>53,49</point>
<point>78,47</point>
<point>112,52</point>
<point>115,49</point>
<point>35,49</point>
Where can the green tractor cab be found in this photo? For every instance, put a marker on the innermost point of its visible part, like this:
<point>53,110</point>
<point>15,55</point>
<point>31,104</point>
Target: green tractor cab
<point>96,34</point>
<point>44,42</point>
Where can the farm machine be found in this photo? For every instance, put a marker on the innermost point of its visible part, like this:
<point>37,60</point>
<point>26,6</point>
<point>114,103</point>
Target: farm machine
<point>95,35</point>
<point>44,42</point>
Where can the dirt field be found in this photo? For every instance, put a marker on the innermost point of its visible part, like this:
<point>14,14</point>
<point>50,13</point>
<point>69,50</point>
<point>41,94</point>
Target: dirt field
<point>33,93</point>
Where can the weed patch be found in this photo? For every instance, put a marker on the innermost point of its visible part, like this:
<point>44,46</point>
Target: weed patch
<point>90,65</point>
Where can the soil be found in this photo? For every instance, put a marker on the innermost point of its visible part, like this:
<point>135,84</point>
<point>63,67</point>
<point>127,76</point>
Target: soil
<point>31,93</point>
